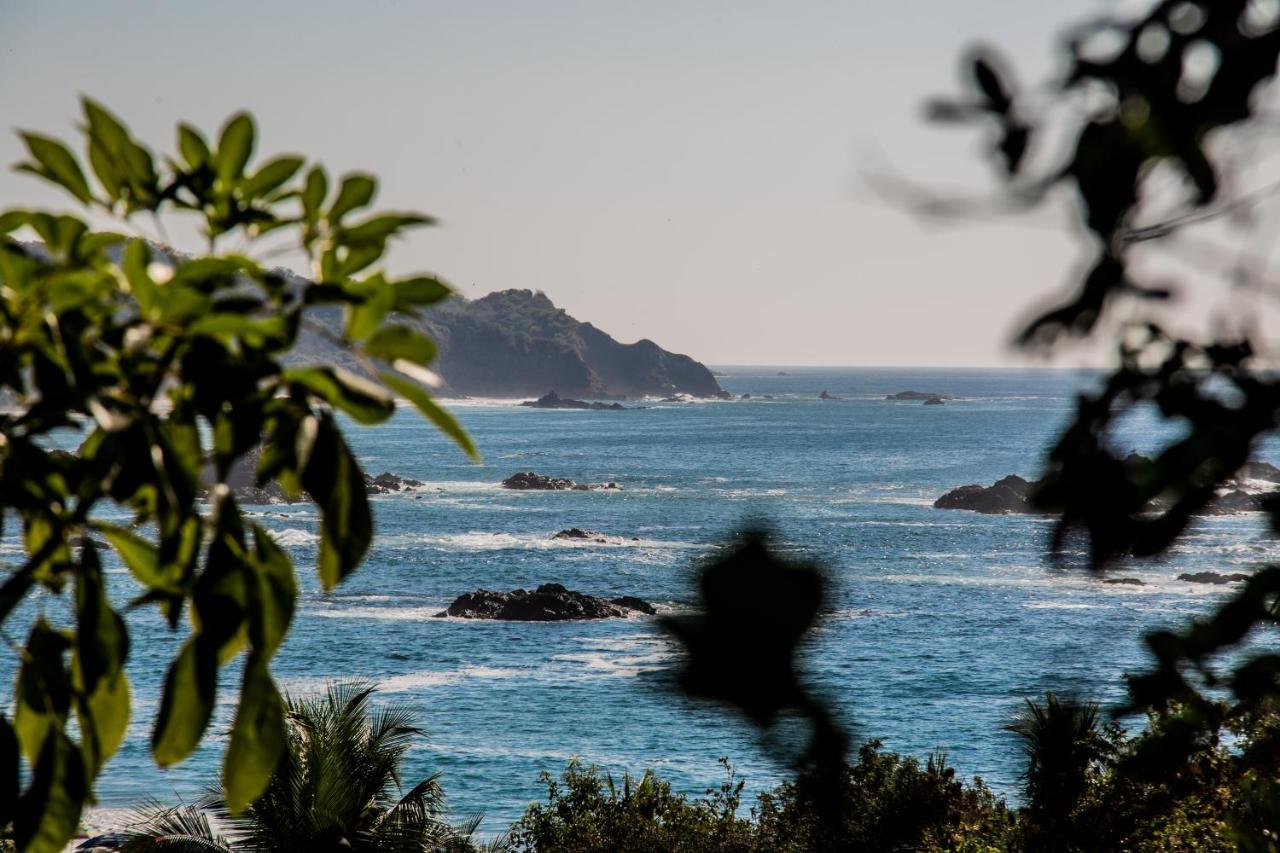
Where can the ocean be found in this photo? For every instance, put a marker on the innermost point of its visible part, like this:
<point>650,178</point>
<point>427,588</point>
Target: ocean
<point>941,622</point>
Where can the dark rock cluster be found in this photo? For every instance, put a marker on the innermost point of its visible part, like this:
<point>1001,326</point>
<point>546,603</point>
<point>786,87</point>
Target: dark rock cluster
<point>1213,577</point>
<point>533,481</point>
<point>550,602</point>
<point>552,400</point>
<point>1012,494</point>
<point>1004,496</point>
<point>927,396</point>
<point>387,483</point>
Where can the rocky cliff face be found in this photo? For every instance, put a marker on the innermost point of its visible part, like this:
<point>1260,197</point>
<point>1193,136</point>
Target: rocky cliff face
<point>517,343</point>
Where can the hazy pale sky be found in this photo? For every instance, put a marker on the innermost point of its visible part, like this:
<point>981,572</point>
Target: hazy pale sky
<point>683,172</point>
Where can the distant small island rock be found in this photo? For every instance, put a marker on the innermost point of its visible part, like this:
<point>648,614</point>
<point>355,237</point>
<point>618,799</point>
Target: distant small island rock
<point>553,400</point>
<point>825,396</point>
<point>1212,577</point>
<point>550,602</point>
<point>533,481</point>
<point>934,401</point>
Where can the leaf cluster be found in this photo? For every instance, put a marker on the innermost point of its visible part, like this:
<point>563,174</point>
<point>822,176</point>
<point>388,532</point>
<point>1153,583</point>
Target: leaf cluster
<point>172,370</point>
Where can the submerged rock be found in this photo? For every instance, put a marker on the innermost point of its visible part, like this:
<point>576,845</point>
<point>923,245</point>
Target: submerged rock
<point>825,396</point>
<point>550,602</point>
<point>918,395</point>
<point>553,400</point>
<point>1008,495</point>
<point>1212,577</point>
<point>579,534</point>
<point>1125,581</point>
<point>934,401</point>
<point>533,481</point>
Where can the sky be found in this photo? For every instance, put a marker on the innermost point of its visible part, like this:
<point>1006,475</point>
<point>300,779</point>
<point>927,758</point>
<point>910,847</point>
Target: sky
<point>696,174</point>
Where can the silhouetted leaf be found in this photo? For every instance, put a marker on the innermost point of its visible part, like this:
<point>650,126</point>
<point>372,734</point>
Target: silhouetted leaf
<point>334,481</point>
<point>257,736</point>
<point>49,812</point>
<point>186,703</point>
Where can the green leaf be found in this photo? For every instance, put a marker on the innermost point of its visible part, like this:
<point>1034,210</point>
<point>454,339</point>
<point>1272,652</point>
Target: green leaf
<point>356,191</point>
<point>212,268</point>
<point>137,255</point>
<point>220,599</point>
<point>49,812</point>
<point>399,341</point>
<point>365,401</point>
<point>187,701</point>
<point>334,481</point>
<point>445,422</point>
<point>128,167</point>
<point>101,647</point>
<point>271,176</point>
<point>377,300</point>
<point>139,555</point>
<point>317,187</point>
<point>257,737</point>
<point>274,595</point>
<point>379,228</point>
<point>420,290</point>
<point>235,146</point>
<point>43,695</point>
<point>193,147</point>
<point>253,330</point>
<point>56,163</point>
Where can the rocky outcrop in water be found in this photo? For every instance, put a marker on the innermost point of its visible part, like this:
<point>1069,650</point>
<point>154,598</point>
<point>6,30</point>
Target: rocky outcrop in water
<point>577,533</point>
<point>550,602</point>
<point>533,481</point>
<point>553,400</point>
<point>1009,495</point>
<point>1213,578</point>
<point>918,395</point>
<point>825,396</point>
<point>387,483</point>
<point>1124,582</point>
<point>935,401</point>
<point>1012,494</point>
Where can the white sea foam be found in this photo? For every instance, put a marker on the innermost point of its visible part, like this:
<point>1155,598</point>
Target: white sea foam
<point>482,540</point>
<point>292,537</point>
<point>1064,605</point>
<point>457,487</point>
<point>386,614</point>
<point>417,680</point>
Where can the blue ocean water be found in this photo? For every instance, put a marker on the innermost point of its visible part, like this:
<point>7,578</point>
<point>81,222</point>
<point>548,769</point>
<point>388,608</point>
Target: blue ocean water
<point>941,622</point>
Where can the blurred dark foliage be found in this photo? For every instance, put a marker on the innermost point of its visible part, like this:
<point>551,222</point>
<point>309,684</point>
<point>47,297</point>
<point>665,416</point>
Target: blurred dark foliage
<point>1155,95</point>
<point>742,646</point>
